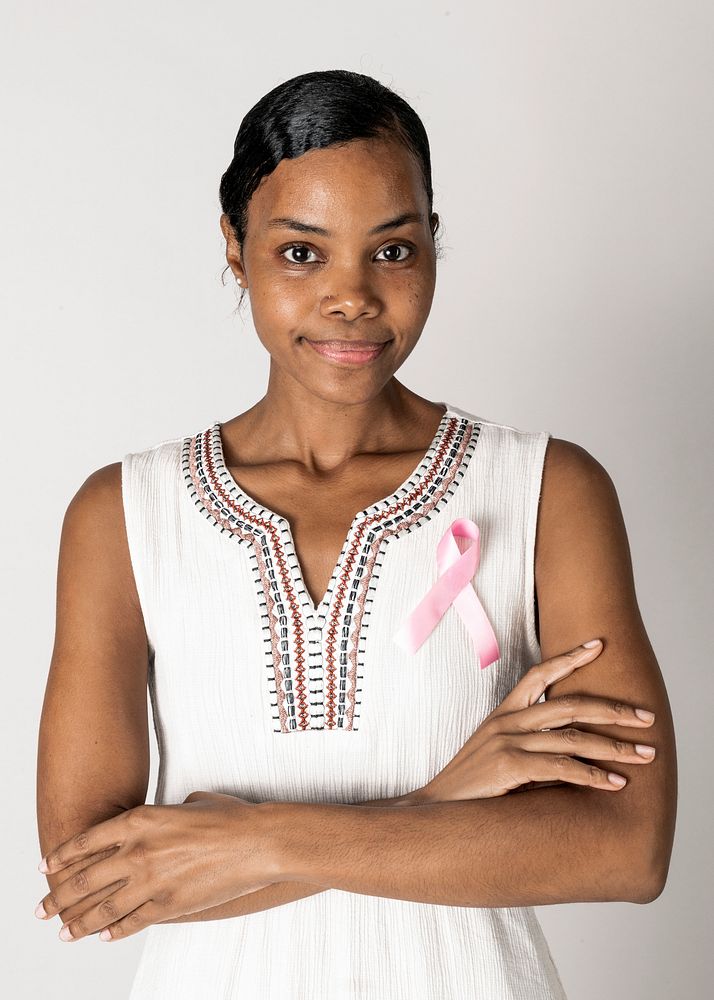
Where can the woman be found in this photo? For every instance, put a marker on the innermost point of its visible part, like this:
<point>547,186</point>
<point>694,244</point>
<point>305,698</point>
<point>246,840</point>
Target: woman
<point>345,703</point>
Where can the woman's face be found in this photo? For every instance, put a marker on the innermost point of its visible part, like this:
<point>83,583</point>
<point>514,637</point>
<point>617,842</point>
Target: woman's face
<point>339,249</point>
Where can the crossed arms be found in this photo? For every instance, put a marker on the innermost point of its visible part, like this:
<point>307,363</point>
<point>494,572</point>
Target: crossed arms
<point>547,845</point>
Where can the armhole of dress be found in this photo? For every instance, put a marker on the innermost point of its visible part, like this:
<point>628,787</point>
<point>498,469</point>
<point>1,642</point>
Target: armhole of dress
<point>131,506</point>
<point>532,504</point>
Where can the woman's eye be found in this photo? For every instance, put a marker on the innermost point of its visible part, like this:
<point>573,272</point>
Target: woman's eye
<point>397,247</point>
<point>301,250</point>
<point>299,253</point>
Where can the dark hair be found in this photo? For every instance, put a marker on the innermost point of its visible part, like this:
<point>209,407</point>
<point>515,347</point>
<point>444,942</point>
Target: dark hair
<point>312,111</point>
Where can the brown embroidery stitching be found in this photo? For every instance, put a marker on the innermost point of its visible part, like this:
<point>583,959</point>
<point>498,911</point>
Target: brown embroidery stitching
<point>220,499</point>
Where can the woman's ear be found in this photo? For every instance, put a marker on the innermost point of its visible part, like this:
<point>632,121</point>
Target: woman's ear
<point>233,251</point>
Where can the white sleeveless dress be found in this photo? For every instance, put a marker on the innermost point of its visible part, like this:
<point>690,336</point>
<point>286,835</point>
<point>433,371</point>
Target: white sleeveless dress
<point>257,692</point>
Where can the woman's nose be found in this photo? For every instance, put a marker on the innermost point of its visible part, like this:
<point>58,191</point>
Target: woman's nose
<point>353,300</point>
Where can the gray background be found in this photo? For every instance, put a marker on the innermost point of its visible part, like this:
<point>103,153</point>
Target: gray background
<point>573,165</point>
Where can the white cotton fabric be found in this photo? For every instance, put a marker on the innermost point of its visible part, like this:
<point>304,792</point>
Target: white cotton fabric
<point>213,696</point>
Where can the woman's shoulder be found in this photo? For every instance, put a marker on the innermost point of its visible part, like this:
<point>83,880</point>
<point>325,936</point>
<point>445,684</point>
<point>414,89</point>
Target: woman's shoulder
<point>497,425</point>
<point>164,445</point>
<point>152,467</point>
<point>99,500</point>
<point>93,544</point>
<point>504,438</point>
<point>565,461</point>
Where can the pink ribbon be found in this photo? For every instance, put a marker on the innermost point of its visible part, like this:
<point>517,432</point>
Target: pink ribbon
<point>456,570</point>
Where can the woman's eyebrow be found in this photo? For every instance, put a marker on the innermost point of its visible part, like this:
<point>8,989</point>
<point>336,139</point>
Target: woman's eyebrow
<point>284,222</point>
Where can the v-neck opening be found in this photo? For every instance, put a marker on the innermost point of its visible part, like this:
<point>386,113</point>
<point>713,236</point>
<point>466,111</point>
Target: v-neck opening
<point>314,653</point>
<point>244,499</point>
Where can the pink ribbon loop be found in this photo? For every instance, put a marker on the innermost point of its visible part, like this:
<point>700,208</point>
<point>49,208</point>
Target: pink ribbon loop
<point>456,571</point>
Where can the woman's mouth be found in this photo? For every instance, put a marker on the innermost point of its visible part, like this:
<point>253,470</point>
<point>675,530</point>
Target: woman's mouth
<point>348,352</point>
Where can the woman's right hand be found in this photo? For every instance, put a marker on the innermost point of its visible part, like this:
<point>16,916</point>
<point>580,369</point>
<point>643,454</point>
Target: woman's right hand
<point>520,745</point>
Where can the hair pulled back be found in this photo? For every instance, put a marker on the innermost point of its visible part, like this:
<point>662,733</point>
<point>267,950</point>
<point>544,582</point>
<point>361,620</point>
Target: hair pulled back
<point>313,111</point>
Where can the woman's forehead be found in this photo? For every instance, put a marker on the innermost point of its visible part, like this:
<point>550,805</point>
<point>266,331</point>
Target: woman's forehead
<point>368,177</point>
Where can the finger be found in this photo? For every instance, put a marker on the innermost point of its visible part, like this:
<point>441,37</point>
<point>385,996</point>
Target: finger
<point>582,744</point>
<point>109,833</point>
<point>85,882</point>
<point>113,909</point>
<point>529,785</point>
<point>138,919</point>
<point>567,709</point>
<point>550,766</point>
<point>69,913</point>
<point>540,676</point>
<point>70,870</point>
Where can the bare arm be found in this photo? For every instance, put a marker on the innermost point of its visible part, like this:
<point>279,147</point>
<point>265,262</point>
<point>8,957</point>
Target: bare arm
<point>596,850</point>
<point>278,892</point>
<point>558,844</point>
<point>93,747</point>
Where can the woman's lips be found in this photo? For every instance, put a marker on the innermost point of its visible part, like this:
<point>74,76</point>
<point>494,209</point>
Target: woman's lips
<point>356,352</point>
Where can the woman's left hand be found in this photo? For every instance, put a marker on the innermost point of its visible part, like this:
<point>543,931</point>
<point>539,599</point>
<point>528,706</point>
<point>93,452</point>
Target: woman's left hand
<point>169,860</point>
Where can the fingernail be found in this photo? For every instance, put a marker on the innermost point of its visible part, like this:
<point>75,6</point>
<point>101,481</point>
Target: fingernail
<point>591,642</point>
<point>644,751</point>
<point>643,714</point>
<point>43,866</point>
<point>616,779</point>
<point>105,935</point>
<point>66,934</point>
<point>40,911</point>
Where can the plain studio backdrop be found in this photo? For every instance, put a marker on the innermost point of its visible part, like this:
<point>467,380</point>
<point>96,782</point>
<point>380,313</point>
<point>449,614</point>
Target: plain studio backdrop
<point>572,163</point>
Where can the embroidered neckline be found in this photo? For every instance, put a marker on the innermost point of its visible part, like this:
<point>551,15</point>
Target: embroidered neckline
<point>324,637</point>
<point>243,501</point>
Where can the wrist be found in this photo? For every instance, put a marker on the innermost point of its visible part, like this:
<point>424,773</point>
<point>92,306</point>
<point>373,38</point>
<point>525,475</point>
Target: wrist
<point>271,822</point>
<point>289,839</point>
<point>277,822</point>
